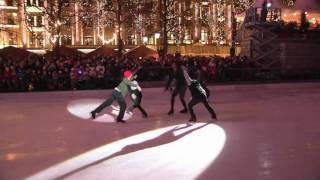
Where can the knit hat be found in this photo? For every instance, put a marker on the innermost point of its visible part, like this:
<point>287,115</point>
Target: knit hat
<point>127,74</point>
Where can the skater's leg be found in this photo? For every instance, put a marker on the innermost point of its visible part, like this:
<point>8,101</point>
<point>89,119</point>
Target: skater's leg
<point>210,109</point>
<point>138,104</point>
<point>133,106</point>
<point>123,106</point>
<point>136,99</point>
<point>106,103</point>
<point>182,93</point>
<point>174,94</point>
<point>190,105</point>
<point>144,113</point>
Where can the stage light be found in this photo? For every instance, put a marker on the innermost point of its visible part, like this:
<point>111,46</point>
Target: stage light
<point>269,4</point>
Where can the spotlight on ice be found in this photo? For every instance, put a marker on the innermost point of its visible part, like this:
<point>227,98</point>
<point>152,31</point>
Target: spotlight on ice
<point>175,152</point>
<point>81,109</point>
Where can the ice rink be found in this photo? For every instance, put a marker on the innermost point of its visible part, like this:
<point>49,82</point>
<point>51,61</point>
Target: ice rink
<point>263,132</point>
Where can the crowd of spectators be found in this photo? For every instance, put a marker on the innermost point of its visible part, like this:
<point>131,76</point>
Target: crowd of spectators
<point>40,73</point>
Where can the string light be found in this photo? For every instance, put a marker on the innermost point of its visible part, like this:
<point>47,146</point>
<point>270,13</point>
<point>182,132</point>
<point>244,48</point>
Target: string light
<point>221,21</point>
<point>54,38</point>
<point>141,25</point>
<point>108,41</point>
<point>241,5</point>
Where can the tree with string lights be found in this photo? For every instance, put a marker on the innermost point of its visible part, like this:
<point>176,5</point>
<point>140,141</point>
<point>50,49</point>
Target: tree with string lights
<point>221,21</point>
<point>238,7</point>
<point>150,17</point>
<point>168,21</point>
<point>58,16</point>
<point>118,13</point>
<point>183,21</point>
<point>143,23</point>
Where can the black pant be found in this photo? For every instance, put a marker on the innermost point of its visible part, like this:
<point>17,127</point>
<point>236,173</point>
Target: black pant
<point>181,90</point>
<point>116,95</point>
<point>137,102</point>
<point>195,101</point>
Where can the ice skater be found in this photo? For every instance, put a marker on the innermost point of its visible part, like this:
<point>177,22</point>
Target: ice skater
<point>198,95</point>
<point>202,79</point>
<point>180,87</point>
<point>136,96</point>
<point>118,94</point>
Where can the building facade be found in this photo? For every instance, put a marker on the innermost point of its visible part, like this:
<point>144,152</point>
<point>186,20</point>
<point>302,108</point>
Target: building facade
<point>42,23</point>
<point>24,24</point>
<point>9,23</point>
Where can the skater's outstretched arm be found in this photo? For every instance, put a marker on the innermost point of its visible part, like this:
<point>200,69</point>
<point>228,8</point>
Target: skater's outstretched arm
<point>135,73</point>
<point>186,76</point>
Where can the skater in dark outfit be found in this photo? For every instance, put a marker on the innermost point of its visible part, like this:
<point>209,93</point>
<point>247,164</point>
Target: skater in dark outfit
<point>197,71</point>
<point>118,94</point>
<point>202,78</point>
<point>136,96</point>
<point>180,87</point>
<point>198,95</point>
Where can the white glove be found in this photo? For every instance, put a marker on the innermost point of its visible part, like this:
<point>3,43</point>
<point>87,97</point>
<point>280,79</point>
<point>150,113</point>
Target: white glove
<point>133,96</point>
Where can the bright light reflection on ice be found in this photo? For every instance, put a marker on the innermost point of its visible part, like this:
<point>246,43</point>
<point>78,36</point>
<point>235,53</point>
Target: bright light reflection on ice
<point>175,152</point>
<point>81,108</point>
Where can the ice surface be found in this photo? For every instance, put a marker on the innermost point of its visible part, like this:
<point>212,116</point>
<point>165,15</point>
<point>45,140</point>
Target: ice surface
<point>272,131</point>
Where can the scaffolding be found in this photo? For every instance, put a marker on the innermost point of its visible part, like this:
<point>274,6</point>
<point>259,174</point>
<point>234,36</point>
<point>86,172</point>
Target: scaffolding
<point>258,42</point>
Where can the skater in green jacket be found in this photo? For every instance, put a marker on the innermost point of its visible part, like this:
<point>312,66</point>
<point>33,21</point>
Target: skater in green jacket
<point>118,94</point>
